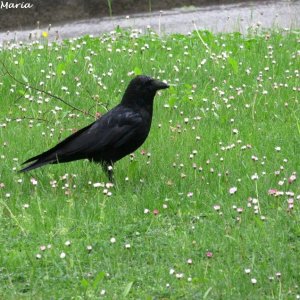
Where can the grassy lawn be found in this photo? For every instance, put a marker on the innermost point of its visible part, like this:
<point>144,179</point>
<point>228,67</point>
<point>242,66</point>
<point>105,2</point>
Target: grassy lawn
<point>208,208</point>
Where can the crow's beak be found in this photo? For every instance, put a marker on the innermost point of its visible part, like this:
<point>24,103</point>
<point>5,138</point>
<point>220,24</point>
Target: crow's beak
<point>159,85</point>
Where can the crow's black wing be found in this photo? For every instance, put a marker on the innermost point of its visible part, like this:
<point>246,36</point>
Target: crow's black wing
<point>110,132</point>
<point>99,140</point>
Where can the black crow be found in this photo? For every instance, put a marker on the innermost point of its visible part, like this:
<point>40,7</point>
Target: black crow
<point>114,135</point>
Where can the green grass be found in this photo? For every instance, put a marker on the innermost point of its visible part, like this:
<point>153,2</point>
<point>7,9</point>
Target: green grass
<point>241,97</point>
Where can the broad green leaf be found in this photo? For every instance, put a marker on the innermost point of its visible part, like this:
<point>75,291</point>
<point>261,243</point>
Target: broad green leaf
<point>25,79</point>
<point>216,115</point>
<point>172,100</point>
<point>98,278</point>
<point>127,289</point>
<point>137,71</point>
<point>70,57</point>
<point>60,68</point>
<point>84,283</point>
<point>234,64</point>
<point>250,43</point>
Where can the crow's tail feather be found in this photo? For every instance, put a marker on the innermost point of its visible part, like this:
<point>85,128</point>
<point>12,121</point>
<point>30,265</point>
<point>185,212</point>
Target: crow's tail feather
<point>34,158</point>
<point>36,164</point>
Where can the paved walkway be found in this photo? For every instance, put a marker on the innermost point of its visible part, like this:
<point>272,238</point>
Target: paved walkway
<point>221,18</point>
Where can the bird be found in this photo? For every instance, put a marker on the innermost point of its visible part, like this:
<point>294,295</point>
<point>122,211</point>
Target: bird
<point>117,133</point>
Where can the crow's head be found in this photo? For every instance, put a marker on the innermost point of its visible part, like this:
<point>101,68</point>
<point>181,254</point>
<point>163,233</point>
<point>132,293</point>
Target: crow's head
<point>141,90</point>
<point>146,84</point>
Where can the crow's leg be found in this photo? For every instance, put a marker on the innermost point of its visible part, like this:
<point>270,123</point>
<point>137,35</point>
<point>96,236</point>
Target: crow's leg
<point>108,169</point>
